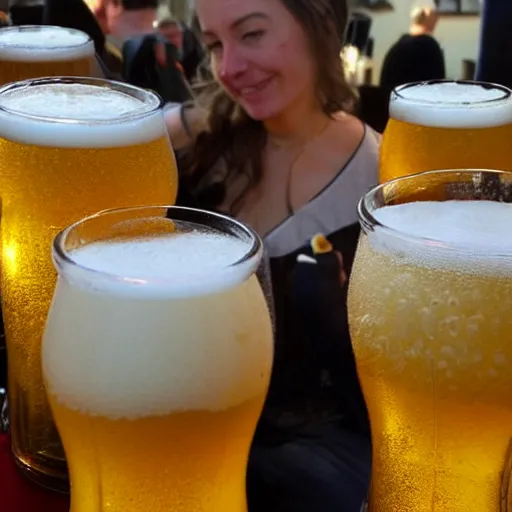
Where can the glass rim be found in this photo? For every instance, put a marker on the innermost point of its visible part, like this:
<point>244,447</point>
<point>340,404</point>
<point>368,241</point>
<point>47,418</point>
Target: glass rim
<point>369,223</point>
<point>144,95</point>
<point>398,92</point>
<point>29,28</point>
<point>63,259</point>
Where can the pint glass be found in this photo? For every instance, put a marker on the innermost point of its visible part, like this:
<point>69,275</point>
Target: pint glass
<point>447,125</point>
<point>430,303</point>
<point>156,357</point>
<point>68,148</point>
<point>31,51</point>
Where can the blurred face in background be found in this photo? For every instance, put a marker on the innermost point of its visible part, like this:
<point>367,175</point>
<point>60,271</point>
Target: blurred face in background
<point>259,53</point>
<point>97,7</point>
<point>172,32</point>
<point>432,17</point>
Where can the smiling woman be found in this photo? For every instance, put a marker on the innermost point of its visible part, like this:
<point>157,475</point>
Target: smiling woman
<point>274,144</point>
<point>268,58</point>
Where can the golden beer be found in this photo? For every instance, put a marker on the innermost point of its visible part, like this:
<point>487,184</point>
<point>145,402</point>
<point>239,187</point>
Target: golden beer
<point>161,363</point>
<point>429,313</point>
<point>29,51</point>
<point>68,148</point>
<point>447,125</point>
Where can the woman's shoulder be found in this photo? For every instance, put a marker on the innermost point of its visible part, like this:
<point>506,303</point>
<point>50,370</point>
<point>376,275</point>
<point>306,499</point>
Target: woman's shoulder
<point>354,131</point>
<point>184,123</point>
<point>364,144</point>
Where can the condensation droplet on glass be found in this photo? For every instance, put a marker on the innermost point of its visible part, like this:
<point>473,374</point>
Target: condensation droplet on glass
<point>418,346</point>
<point>500,358</point>
<point>401,304</point>
<point>452,325</point>
<point>365,319</point>
<point>453,301</point>
<point>448,350</point>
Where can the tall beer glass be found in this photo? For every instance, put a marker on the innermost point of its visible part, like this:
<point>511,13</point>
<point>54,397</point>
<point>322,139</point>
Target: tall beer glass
<point>30,51</point>
<point>447,125</point>
<point>68,148</point>
<point>157,356</point>
<point>430,303</point>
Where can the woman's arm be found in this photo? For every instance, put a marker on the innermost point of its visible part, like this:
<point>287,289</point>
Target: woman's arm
<point>184,123</point>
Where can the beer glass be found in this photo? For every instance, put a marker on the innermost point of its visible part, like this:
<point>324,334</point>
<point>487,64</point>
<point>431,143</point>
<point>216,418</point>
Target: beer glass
<point>157,356</point>
<point>31,51</point>
<point>430,303</point>
<point>68,148</point>
<point>447,125</point>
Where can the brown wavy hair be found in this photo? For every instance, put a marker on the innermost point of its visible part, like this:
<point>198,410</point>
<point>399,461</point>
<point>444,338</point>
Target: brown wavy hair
<point>240,140</point>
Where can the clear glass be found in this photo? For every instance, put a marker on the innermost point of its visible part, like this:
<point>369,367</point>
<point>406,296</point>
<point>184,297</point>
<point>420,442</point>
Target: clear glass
<point>163,364</point>
<point>430,321</point>
<point>56,168</point>
<point>434,125</point>
<point>32,51</point>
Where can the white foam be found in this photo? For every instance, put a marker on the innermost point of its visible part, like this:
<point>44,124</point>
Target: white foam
<point>44,43</point>
<point>459,235</point>
<point>78,115</point>
<point>130,356</point>
<point>452,105</point>
<point>186,264</point>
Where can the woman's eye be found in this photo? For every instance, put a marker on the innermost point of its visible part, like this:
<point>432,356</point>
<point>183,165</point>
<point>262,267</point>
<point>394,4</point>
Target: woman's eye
<point>213,46</point>
<point>255,34</point>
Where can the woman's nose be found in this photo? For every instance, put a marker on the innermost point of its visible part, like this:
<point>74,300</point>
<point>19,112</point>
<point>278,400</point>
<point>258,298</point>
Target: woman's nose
<point>233,63</point>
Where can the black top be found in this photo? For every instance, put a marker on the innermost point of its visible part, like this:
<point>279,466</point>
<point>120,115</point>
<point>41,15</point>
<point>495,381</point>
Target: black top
<point>412,59</point>
<point>314,380</point>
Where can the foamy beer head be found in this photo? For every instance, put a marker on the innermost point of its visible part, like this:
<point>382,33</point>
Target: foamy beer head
<point>447,104</point>
<point>446,125</point>
<point>466,236</point>
<point>193,320</point>
<point>448,220</point>
<point>44,43</point>
<point>79,113</point>
<point>35,51</point>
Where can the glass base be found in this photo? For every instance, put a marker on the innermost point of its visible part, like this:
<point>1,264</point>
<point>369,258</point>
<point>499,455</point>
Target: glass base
<point>54,476</point>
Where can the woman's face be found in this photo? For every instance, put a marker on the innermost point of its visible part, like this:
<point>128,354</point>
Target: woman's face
<point>259,53</point>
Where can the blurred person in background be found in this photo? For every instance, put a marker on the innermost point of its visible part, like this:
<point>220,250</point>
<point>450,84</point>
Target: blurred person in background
<point>4,12</point>
<point>416,56</point>
<point>172,31</point>
<point>495,58</point>
<point>142,55</point>
<point>4,19</point>
<point>123,19</point>
<point>25,12</point>
<point>171,39</point>
<point>189,48</point>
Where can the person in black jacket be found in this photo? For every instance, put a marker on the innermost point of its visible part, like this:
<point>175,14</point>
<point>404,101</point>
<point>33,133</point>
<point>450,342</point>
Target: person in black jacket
<point>416,56</point>
<point>189,49</point>
<point>495,59</point>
